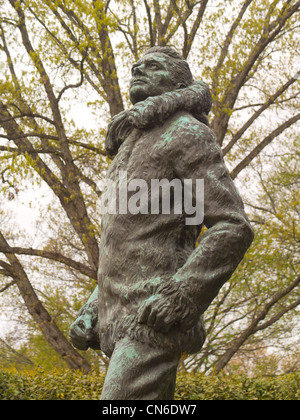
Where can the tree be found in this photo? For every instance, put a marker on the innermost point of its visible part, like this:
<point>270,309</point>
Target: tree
<point>58,54</point>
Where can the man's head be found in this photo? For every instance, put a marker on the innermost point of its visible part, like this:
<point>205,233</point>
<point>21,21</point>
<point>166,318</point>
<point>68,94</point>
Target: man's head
<point>160,70</point>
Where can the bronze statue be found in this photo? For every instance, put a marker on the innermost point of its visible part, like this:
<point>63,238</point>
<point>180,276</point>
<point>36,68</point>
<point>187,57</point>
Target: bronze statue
<point>154,284</point>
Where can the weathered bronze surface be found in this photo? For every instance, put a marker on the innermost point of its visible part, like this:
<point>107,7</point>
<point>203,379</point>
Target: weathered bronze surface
<point>153,283</point>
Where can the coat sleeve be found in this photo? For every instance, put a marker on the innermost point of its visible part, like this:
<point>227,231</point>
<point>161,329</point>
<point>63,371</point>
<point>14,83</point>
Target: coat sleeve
<point>228,234</point>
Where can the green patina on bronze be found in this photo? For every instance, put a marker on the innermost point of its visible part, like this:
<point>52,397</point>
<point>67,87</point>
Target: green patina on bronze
<point>153,283</point>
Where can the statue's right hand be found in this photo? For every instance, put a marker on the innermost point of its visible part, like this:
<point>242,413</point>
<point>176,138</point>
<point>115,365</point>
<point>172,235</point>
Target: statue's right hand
<point>84,331</point>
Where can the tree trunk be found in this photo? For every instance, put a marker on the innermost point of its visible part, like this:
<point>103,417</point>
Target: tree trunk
<point>36,309</point>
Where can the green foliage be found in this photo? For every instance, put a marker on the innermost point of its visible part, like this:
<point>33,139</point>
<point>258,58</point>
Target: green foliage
<point>74,385</point>
<point>231,387</point>
<point>54,385</point>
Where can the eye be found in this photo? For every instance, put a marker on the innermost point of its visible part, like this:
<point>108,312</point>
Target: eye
<point>154,66</point>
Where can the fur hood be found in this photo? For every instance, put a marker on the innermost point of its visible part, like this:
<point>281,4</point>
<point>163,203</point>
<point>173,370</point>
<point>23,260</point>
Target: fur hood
<point>195,99</point>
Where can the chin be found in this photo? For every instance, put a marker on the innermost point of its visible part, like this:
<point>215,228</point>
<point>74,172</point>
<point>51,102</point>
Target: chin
<point>138,94</point>
<point>137,98</point>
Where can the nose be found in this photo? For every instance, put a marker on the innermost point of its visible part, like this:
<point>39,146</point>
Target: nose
<point>138,70</point>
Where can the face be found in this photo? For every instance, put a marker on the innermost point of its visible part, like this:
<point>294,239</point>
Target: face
<point>151,76</point>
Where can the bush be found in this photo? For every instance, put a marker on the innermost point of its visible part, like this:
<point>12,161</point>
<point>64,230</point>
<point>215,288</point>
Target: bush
<point>74,385</point>
<point>225,387</point>
<point>54,385</point>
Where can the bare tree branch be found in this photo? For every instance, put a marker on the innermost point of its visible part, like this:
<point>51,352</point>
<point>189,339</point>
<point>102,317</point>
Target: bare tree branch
<point>8,285</point>
<point>220,126</point>
<point>253,327</point>
<point>76,85</point>
<point>54,256</point>
<point>228,40</point>
<point>20,357</point>
<point>196,25</point>
<point>48,326</point>
<point>276,317</point>
<point>265,106</point>
<point>267,140</point>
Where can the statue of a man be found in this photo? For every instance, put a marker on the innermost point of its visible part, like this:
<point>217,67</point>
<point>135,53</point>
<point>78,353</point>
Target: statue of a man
<point>154,283</point>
